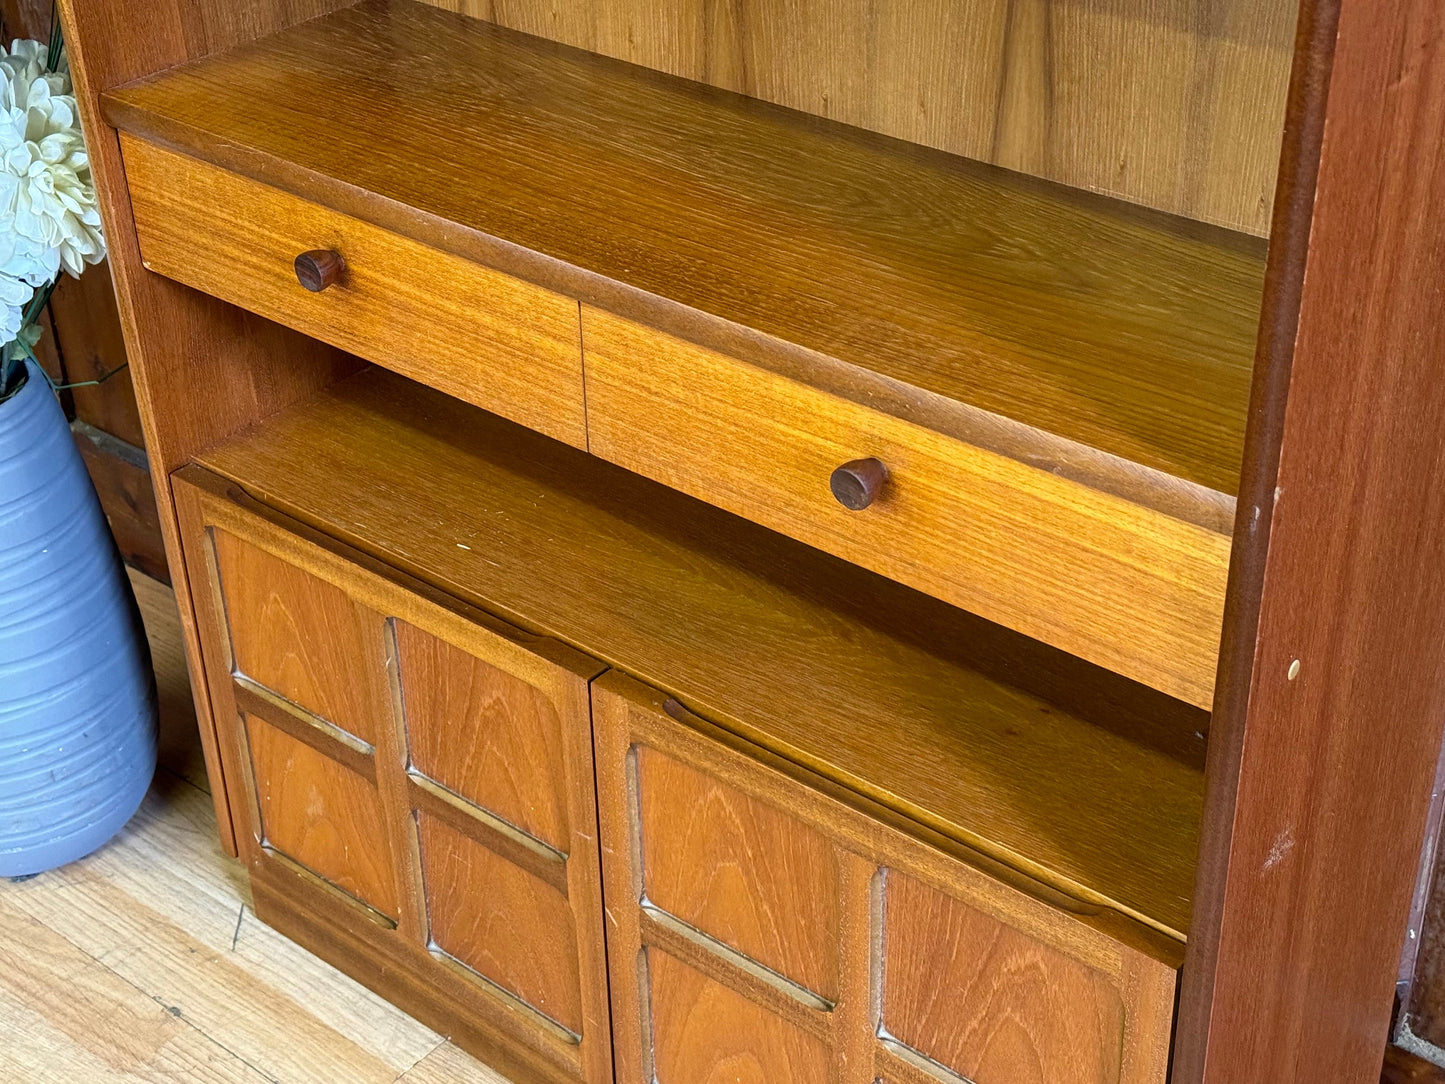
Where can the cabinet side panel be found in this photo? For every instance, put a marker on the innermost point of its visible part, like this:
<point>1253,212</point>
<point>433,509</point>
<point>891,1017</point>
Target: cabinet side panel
<point>1332,684</point>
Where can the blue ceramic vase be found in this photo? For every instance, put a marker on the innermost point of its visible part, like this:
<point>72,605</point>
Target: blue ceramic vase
<point>77,695</point>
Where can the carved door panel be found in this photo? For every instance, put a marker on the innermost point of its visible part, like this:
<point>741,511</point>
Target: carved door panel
<point>766,928</point>
<point>417,799</point>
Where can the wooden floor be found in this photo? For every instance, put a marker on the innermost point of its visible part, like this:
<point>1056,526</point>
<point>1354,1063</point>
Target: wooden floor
<point>144,962</point>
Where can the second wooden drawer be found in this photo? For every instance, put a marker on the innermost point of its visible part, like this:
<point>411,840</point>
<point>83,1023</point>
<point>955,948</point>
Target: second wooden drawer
<point>1109,580</point>
<point>487,338</point>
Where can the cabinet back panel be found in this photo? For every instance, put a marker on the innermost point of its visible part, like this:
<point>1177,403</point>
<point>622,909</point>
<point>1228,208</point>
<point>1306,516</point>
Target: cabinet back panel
<point>1175,104</point>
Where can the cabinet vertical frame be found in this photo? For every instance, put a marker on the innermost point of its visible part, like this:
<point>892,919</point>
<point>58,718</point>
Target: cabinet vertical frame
<point>1318,785</point>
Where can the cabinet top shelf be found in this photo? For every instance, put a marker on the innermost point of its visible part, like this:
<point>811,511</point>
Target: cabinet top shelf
<point>1076,331</point>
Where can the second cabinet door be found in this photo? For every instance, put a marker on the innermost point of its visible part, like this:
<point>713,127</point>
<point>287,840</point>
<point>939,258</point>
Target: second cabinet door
<point>411,783</point>
<point>764,928</point>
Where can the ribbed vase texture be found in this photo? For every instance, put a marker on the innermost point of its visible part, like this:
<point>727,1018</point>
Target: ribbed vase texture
<point>77,696</point>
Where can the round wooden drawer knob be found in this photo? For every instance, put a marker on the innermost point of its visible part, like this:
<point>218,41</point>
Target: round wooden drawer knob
<point>319,269</point>
<point>857,484</point>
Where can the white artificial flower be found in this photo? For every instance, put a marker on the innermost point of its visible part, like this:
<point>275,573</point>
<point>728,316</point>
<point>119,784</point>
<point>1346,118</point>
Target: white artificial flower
<point>13,296</point>
<point>49,217</point>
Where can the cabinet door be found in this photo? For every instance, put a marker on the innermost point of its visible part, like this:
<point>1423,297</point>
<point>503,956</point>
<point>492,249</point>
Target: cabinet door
<point>765,927</point>
<point>412,782</point>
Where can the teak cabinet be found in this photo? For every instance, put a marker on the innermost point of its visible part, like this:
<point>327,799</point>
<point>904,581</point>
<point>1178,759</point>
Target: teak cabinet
<point>806,542</point>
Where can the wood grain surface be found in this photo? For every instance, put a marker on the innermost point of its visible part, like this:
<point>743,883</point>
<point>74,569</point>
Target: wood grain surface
<point>909,275</point>
<point>1126,587</point>
<point>489,736</point>
<point>128,497</point>
<point>975,996</point>
<point>501,922</point>
<point>483,337</point>
<point>296,635</point>
<point>1168,104</point>
<point>524,851</point>
<point>318,812</point>
<point>88,335</point>
<point>739,871</point>
<point>704,1033</point>
<point>937,953</point>
<point>913,702</point>
<point>1319,783</point>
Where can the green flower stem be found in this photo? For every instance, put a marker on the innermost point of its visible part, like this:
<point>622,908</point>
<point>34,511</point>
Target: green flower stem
<point>56,46</point>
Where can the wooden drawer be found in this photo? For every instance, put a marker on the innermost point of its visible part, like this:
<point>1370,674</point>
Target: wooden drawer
<point>411,782</point>
<point>765,928</point>
<point>477,334</point>
<point>1119,584</point>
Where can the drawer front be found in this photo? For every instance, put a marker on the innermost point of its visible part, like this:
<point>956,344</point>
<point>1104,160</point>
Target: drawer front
<point>482,336</point>
<point>763,926</point>
<point>1115,583</point>
<point>412,785</point>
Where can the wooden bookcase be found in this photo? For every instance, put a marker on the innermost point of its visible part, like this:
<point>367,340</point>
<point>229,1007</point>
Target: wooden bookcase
<point>869,500</point>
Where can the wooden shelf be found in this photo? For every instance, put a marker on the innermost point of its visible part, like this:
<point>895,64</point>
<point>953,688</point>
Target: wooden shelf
<point>1081,334</point>
<point>1084,781</point>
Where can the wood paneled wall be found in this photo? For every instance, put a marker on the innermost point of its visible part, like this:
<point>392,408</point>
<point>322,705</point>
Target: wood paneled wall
<point>1175,104</point>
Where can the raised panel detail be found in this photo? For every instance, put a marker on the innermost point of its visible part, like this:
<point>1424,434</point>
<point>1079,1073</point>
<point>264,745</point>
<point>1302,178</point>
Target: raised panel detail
<point>321,814</point>
<point>704,1033</point>
<point>454,869</point>
<point>941,971</point>
<point>484,734</point>
<point>501,921</point>
<point>295,634</point>
<point>988,1002</point>
<point>740,870</point>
